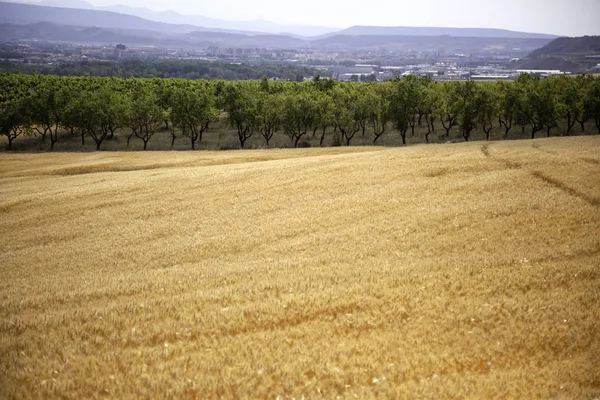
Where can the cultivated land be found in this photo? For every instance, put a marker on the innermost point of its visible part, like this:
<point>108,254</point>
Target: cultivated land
<point>467,270</point>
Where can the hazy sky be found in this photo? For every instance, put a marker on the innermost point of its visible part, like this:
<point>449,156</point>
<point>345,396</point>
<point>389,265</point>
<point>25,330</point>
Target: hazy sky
<point>563,17</point>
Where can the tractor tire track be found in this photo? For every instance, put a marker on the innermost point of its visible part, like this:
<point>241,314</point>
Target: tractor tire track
<point>555,153</point>
<point>594,201</point>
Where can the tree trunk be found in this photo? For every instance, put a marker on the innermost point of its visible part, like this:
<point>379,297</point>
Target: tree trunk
<point>83,138</point>
<point>298,137</point>
<point>53,140</point>
<point>548,130</point>
<point>98,143</point>
<point>447,132</point>
<point>447,128</point>
<point>145,143</point>
<point>487,129</point>
<point>466,134</point>
<point>173,137</point>
<point>507,126</point>
<point>322,137</point>
<point>243,135</point>
<point>403,134</point>
<point>315,132</point>
<point>569,124</point>
<point>378,134</point>
<point>42,134</point>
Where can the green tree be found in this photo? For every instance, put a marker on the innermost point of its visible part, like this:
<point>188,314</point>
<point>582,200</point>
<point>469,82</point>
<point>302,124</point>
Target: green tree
<point>404,103</point>
<point>429,105</point>
<point>344,114</point>
<point>487,101</point>
<point>193,110</point>
<point>570,95</point>
<point>469,108</point>
<point>269,114</point>
<point>508,105</point>
<point>299,110</point>
<point>103,112</point>
<point>380,114</point>
<point>592,103</point>
<point>364,98</point>
<point>45,106</point>
<point>14,119</point>
<point>240,103</point>
<point>449,105</point>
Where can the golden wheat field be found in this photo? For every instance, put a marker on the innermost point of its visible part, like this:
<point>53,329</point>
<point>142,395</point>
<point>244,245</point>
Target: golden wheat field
<point>441,271</point>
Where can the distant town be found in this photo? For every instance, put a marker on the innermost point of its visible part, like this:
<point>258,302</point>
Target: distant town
<point>344,65</point>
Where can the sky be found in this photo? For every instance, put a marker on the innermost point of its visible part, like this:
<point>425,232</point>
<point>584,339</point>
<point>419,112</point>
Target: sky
<point>561,17</point>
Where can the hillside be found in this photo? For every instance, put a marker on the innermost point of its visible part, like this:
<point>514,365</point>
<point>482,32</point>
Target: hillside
<point>463,271</point>
<point>429,43</point>
<point>94,34</point>
<point>432,31</point>
<point>173,17</point>
<point>578,54</point>
<point>586,45</point>
<point>26,21</point>
<point>26,14</point>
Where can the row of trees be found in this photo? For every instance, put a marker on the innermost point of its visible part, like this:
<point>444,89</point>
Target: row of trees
<point>185,69</point>
<point>97,107</point>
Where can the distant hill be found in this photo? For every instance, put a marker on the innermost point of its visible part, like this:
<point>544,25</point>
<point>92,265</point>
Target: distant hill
<point>94,34</point>
<point>578,54</point>
<point>26,14</point>
<point>589,45</point>
<point>432,31</point>
<point>451,44</point>
<point>172,17</point>
<point>26,21</point>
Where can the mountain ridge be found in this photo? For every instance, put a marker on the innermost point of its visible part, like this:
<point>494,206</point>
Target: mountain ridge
<point>365,30</point>
<point>19,23</point>
<point>173,17</point>
<point>193,22</point>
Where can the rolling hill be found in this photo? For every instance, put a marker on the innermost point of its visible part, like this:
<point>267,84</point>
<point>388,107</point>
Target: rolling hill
<point>587,45</point>
<point>436,31</point>
<point>25,14</point>
<point>27,21</point>
<point>578,54</point>
<point>173,17</point>
<point>421,272</point>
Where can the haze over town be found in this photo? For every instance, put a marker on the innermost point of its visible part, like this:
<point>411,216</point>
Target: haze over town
<point>568,18</point>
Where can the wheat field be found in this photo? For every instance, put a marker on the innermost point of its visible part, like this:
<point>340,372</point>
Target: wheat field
<point>442,271</point>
